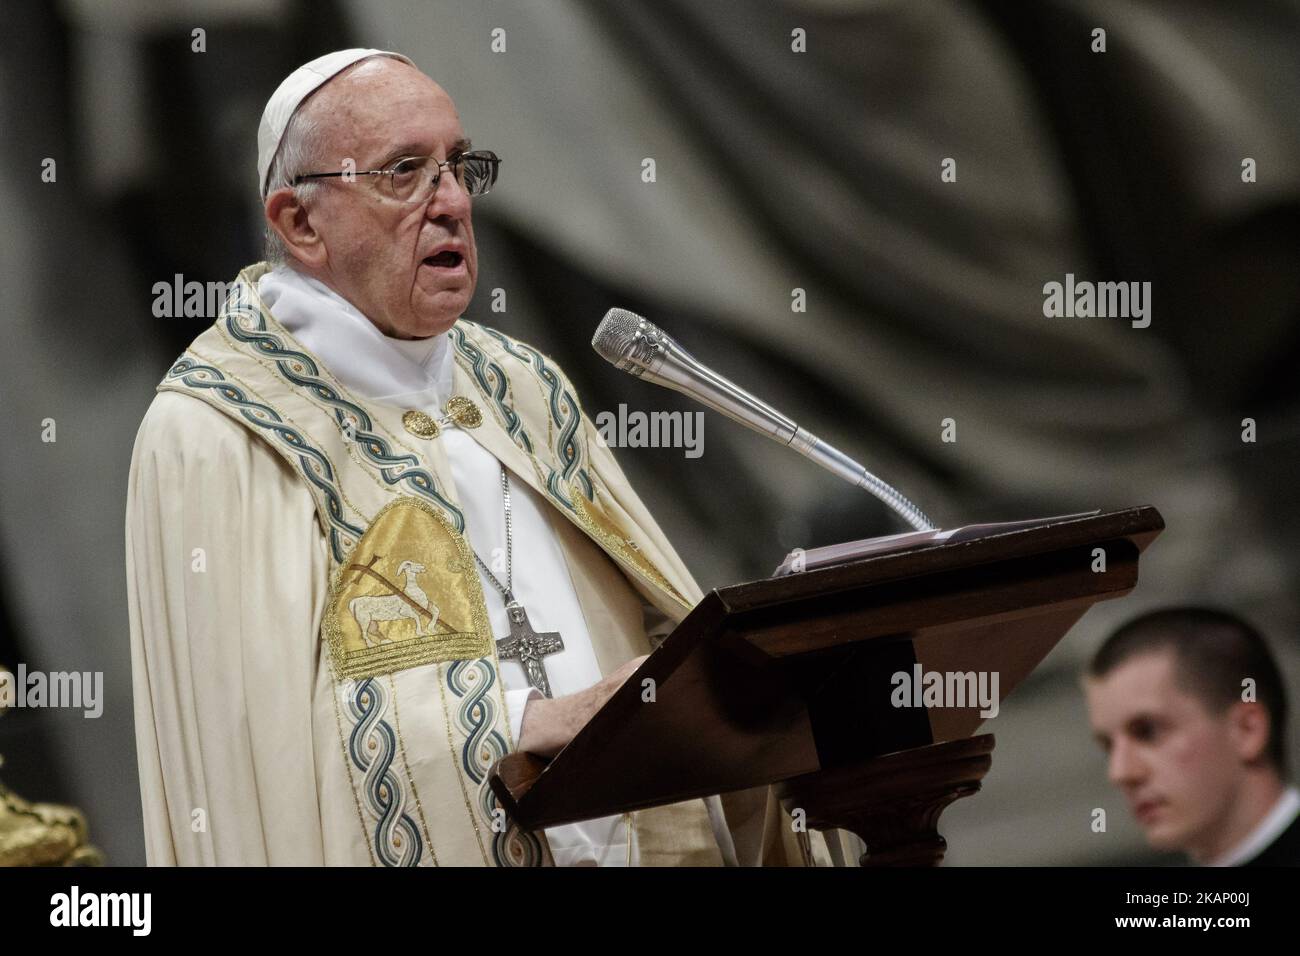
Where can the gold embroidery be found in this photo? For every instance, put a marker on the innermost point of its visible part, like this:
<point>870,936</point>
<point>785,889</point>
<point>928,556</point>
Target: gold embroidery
<point>365,830</point>
<point>347,542</point>
<point>460,776</point>
<point>415,791</point>
<point>397,603</point>
<point>314,399</point>
<point>420,424</point>
<point>600,526</point>
<point>464,412</point>
<point>460,410</point>
<point>591,519</point>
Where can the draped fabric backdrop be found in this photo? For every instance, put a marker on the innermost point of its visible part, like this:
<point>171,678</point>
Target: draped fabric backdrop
<point>775,171</point>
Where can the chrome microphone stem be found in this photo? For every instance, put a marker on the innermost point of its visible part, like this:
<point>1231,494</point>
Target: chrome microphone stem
<point>641,348</point>
<point>673,367</point>
<point>836,462</point>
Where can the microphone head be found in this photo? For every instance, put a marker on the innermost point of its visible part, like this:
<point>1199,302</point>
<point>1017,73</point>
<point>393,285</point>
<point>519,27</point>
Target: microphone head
<point>634,344</point>
<point>616,335</point>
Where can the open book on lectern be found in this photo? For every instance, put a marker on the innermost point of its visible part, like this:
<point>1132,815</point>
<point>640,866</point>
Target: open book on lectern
<point>833,554</point>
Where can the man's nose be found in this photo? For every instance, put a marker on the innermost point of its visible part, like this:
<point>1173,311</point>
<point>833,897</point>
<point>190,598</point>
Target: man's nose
<point>449,198</point>
<point>1126,765</point>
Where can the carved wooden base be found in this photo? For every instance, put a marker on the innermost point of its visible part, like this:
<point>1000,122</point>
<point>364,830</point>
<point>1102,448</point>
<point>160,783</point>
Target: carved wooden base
<point>893,802</point>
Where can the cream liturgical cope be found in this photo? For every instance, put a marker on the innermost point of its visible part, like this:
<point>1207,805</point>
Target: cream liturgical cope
<point>313,644</point>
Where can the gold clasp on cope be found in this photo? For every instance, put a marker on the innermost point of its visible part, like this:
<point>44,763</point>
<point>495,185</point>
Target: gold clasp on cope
<point>459,411</point>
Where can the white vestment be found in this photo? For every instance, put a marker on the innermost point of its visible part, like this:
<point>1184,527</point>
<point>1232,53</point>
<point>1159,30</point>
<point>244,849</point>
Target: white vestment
<point>228,575</point>
<point>416,373</point>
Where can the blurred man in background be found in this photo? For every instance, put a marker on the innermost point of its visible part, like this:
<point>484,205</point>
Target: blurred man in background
<point>1190,708</point>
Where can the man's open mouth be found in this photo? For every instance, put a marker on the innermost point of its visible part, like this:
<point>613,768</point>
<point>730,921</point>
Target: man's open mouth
<point>444,260</point>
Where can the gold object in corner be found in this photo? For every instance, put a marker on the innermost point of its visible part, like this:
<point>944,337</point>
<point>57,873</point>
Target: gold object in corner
<point>43,834</point>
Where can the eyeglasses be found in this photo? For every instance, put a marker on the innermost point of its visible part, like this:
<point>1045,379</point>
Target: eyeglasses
<point>414,179</point>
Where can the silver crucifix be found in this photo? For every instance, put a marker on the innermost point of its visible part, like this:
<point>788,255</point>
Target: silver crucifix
<point>528,647</point>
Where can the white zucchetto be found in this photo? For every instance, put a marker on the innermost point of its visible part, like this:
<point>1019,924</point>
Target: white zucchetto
<point>297,86</point>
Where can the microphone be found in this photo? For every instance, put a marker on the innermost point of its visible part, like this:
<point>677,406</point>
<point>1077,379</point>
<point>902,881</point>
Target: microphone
<point>639,347</point>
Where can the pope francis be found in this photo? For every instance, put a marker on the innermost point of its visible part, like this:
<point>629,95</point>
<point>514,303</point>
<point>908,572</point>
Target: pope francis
<point>373,546</point>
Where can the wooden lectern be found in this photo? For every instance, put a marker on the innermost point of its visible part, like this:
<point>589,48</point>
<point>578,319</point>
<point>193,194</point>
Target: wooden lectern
<point>789,680</point>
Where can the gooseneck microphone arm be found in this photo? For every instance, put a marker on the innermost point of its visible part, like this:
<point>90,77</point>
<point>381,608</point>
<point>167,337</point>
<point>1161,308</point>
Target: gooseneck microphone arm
<point>639,347</point>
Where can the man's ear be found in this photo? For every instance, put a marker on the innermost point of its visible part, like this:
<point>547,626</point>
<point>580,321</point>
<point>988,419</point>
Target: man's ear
<point>1250,729</point>
<point>286,214</point>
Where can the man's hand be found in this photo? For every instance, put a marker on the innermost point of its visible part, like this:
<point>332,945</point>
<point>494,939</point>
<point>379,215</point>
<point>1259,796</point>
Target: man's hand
<point>549,725</point>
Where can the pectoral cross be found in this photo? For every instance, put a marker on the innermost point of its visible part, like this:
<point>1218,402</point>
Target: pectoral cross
<point>528,647</point>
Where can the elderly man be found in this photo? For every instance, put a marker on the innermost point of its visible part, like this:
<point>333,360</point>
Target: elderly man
<point>373,546</point>
<point>1191,711</point>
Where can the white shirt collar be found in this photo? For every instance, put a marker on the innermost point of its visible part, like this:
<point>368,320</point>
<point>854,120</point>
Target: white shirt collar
<point>1275,822</point>
<point>396,371</point>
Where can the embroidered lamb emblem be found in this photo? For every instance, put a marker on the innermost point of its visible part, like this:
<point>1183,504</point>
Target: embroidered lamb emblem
<point>409,595</point>
<point>409,603</point>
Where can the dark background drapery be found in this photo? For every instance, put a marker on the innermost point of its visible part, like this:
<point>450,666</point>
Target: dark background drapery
<point>775,171</point>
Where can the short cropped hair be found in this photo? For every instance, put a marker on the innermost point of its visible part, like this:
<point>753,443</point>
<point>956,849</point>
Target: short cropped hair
<point>1214,651</point>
